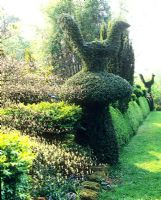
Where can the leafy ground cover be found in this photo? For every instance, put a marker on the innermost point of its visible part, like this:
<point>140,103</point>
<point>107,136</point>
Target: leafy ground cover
<point>138,175</point>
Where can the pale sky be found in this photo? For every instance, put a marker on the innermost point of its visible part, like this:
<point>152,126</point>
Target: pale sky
<point>29,12</point>
<point>144,16</point>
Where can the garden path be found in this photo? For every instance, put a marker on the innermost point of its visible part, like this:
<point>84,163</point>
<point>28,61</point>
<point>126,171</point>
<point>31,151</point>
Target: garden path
<point>138,176</point>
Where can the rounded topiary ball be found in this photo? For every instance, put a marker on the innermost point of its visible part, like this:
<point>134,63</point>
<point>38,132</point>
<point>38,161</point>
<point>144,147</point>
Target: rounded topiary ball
<point>91,87</point>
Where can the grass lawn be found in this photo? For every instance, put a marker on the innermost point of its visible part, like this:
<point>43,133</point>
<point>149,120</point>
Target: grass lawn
<point>138,176</point>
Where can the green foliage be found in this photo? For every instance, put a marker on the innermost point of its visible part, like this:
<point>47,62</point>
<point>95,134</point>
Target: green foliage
<point>121,125</point>
<point>52,120</point>
<point>15,47</point>
<point>126,59</point>
<point>58,189</point>
<point>15,161</point>
<point>65,63</point>
<point>57,168</point>
<point>103,31</point>
<point>11,42</point>
<point>126,124</point>
<point>121,62</point>
<point>92,13</point>
<point>148,85</point>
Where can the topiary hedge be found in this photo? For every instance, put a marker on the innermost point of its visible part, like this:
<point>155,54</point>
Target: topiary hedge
<point>94,89</point>
<point>122,126</point>
<point>51,120</point>
<point>126,124</point>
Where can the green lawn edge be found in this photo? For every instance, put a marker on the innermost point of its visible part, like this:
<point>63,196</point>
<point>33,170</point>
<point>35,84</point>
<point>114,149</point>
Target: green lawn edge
<point>138,175</point>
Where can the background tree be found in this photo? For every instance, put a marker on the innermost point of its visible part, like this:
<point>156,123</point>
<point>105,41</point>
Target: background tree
<point>11,42</point>
<point>91,16</point>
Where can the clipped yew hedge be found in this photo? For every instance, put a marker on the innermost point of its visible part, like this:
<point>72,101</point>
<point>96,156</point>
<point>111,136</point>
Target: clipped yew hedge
<point>126,124</point>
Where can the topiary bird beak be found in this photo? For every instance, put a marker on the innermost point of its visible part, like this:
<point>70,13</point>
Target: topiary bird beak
<point>122,25</point>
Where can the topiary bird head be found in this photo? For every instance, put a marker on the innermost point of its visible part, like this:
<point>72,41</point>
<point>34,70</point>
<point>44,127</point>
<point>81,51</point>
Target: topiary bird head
<point>120,25</point>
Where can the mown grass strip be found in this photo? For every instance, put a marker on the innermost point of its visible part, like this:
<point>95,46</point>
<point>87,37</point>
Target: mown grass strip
<point>138,175</point>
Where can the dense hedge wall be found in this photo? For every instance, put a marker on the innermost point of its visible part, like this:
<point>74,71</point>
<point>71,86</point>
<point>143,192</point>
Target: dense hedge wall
<point>121,125</point>
<point>126,124</point>
<point>15,161</point>
<point>52,120</point>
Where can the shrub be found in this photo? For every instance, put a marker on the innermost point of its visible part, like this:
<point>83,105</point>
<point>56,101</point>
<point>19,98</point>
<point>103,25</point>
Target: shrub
<point>15,161</point>
<point>55,165</point>
<point>58,189</point>
<point>121,125</point>
<point>52,120</point>
<point>19,83</point>
<point>144,106</point>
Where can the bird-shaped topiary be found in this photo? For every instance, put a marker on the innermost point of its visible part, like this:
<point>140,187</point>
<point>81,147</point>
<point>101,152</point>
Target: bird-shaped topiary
<point>94,89</point>
<point>148,84</point>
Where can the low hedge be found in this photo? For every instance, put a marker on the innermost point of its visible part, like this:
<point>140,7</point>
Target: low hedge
<point>15,162</point>
<point>122,126</point>
<point>52,120</point>
<point>126,124</point>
